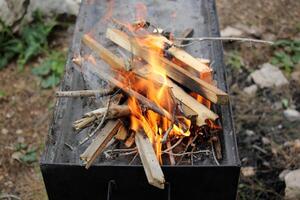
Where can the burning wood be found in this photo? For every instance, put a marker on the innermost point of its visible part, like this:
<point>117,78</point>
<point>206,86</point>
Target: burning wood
<point>167,108</point>
<point>151,165</point>
<point>174,71</point>
<point>99,143</point>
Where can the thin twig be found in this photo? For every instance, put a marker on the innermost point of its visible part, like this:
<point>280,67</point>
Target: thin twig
<point>213,154</point>
<point>172,147</point>
<point>69,146</point>
<point>100,124</point>
<point>191,141</point>
<point>189,153</point>
<point>226,38</point>
<point>84,93</point>
<point>130,163</point>
<point>9,196</point>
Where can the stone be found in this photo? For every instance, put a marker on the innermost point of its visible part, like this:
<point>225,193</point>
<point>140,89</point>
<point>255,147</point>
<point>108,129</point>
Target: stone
<point>231,32</point>
<point>265,140</point>
<point>19,132</point>
<point>250,133</point>
<point>249,30</point>
<point>291,115</point>
<point>248,171</point>
<point>292,182</point>
<point>11,11</point>
<point>53,7</point>
<point>283,174</point>
<point>268,76</point>
<point>251,90</point>
<point>4,131</point>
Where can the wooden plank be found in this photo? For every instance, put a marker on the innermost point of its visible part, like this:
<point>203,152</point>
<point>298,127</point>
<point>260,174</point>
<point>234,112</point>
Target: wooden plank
<point>202,111</point>
<point>122,133</point>
<point>99,143</point>
<point>151,165</point>
<point>174,71</point>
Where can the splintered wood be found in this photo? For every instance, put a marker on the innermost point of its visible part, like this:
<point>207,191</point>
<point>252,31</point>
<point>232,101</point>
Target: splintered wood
<point>166,110</point>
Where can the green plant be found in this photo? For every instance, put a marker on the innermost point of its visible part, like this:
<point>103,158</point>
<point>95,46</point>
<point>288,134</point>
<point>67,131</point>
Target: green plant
<point>51,69</point>
<point>235,60</point>
<point>2,93</point>
<point>31,41</point>
<point>25,154</point>
<point>287,54</point>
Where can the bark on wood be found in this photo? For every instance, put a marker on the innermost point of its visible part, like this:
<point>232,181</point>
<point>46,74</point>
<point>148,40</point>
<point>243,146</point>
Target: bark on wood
<point>114,111</point>
<point>151,165</point>
<point>99,143</point>
<point>84,93</point>
<point>174,71</point>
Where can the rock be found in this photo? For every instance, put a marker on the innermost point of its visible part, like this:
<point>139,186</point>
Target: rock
<point>19,131</point>
<point>291,115</point>
<point>249,30</point>
<point>292,182</point>
<point>13,10</point>
<point>70,7</point>
<point>251,90</point>
<point>231,32</point>
<point>265,141</point>
<point>283,174</point>
<point>250,133</point>
<point>248,171</point>
<point>4,131</point>
<point>268,76</point>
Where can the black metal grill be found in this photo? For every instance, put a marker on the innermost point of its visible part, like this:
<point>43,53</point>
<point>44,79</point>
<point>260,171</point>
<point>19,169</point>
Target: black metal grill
<point>64,174</point>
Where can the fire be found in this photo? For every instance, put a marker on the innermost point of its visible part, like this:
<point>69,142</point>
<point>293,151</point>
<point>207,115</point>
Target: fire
<point>155,125</point>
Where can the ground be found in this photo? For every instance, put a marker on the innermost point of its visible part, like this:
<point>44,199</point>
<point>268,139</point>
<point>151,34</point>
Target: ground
<point>265,138</point>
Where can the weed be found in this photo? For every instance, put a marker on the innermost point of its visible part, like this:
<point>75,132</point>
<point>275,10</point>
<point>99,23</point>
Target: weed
<point>51,69</point>
<point>29,43</point>
<point>235,60</point>
<point>287,54</point>
<point>2,93</point>
<point>25,154</point>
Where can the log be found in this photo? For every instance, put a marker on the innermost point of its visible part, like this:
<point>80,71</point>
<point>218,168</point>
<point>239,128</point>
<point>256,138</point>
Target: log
<point>174,71</point>
<point>109,77</point>
<point>114,111</point>
<point>202,111</point>
<point>150,163</point>
<point>84,93</point>
<point>99,143</point>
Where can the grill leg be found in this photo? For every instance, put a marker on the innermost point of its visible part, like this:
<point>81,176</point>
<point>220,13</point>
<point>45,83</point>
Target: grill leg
<point>111,186</point>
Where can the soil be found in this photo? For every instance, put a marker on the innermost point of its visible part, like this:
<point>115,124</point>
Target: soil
<point>26,108</point>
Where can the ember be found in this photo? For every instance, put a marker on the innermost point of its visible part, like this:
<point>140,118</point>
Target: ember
<point>168,98</point>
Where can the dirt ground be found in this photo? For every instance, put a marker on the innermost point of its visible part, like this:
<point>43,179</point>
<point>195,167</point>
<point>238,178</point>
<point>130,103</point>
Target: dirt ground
<point>26,109</point>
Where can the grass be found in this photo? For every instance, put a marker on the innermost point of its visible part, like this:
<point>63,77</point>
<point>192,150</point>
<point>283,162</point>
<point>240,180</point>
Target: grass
<point>29,43</point>
<point>286,54</point>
